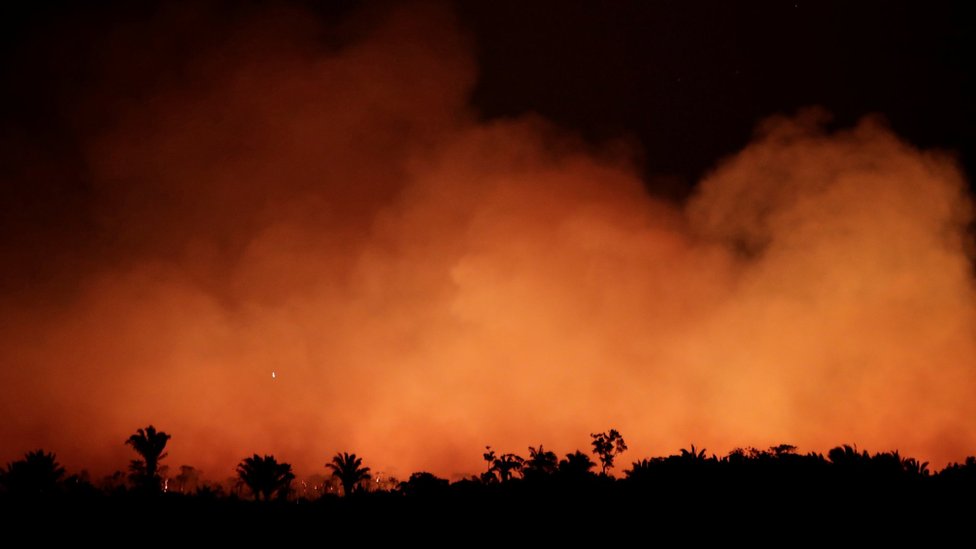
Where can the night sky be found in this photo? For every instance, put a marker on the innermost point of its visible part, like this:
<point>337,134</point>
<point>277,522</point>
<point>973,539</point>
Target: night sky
<point>679,207</point>
<point>686,82</point>
<point>661,71</point>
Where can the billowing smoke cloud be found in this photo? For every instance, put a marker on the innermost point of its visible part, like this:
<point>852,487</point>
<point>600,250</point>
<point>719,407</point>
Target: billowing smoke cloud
<point>422,283</point>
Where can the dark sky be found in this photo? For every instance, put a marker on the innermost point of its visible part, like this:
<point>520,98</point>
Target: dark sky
<point>691,79</point>
<point>688,81</point>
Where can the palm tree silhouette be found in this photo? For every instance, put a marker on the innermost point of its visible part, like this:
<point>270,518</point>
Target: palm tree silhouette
<point>693,455</point>
<point>915,468</point>
<point>149,444</point>
<point>540,462</point>
<point>349,470</point>
<point>641,469</point>
<point>507,464</point>
<point>264,476</point>
<point>846,456</point>
<point>38,475</point>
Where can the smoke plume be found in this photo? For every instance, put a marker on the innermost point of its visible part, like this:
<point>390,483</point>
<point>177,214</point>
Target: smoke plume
<point>323,205</point>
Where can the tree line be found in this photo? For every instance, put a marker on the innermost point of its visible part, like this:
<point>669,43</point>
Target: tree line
<point>39,476</point>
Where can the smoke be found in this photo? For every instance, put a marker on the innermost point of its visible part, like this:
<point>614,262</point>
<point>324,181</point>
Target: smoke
<point>324,205</point>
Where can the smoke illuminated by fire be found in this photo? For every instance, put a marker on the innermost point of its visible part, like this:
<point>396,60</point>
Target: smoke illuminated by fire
<point>421,283</point>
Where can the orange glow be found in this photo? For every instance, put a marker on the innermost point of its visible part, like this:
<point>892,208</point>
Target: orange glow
<point>421,284</point>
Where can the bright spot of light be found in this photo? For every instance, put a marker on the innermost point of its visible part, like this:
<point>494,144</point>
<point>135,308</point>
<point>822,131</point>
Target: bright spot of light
<point>274,375</point>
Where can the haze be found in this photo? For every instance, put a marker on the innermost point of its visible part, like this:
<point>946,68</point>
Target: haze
<point>423,283</point>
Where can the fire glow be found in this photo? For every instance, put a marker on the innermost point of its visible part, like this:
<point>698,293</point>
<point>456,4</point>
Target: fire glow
<point>429,284</point>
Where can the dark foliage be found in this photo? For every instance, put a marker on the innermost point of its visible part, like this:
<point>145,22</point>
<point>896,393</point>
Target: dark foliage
<point>38,475</point>
<point>424,484</point>
<point>265,477</point>
<point>350,471</point>
<point>770,493</point>
<point>607,446</point>
<point>541,463</point>
<point>145,473</point>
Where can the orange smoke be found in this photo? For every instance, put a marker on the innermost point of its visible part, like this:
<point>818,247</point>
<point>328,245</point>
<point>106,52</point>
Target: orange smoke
<point>423,283</point>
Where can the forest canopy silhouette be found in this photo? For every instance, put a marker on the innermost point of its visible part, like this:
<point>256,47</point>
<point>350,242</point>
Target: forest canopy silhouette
<point>848,491</point>
<point>297,238</point>
<point>38,477</point>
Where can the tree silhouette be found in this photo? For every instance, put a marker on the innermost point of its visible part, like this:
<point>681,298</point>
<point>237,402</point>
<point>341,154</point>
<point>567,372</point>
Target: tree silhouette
<point>349,470</point>
<point>489,475</point>
<point>424,484</point>
<point>642,469</point>
<point>188,479</point>
<point>113,483</point>
<point>576,465</point>
<point>915,468</point>
<point>961,472</point>
<point>209,491</point>
<point>846,458</point>
<point>38,475</point>
<point>783,450</point>
<point>693,455</point>
<point>846,454</point>
<point>541,462</point>
<point>148,443</point>
<point>264,476</point>
<point>607,446</point>
<point>754,478</point>
<point>506,465</point>
<point>887,464</point>
<point>740,456</point>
